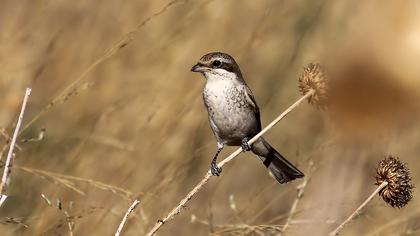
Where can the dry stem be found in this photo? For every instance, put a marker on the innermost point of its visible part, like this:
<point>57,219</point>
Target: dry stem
<point>301,190</point>
<point>9,160</point>
<point>357,211</point>
<point>131,209</point>
<point>208,175</point>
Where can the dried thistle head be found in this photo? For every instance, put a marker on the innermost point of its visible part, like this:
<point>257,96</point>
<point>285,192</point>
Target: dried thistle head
<point>314,77</point>
<point>399,190</point>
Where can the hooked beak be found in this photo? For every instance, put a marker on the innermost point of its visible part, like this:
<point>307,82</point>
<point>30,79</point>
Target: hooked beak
<point>198,68</point>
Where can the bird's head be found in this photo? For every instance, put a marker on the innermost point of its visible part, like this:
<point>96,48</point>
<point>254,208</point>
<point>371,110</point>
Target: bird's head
<point>217,64</point>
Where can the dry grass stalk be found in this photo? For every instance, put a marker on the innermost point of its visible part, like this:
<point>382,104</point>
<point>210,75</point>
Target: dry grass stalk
<point>9,160</point>
<point>65,180</point>
<point>72,89</point>
<point>59,207</point>
<point>130,209</point>
<point>300,191</point>
<point>208,175</point>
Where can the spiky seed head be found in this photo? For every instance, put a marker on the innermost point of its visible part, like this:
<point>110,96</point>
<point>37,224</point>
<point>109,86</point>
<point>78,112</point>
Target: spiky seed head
<point>314,77</point>
<point>399,190</point>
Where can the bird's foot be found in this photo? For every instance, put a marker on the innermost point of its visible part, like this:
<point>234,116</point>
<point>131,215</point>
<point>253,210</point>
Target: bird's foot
<point>215,170</point>
<point>245,146</point>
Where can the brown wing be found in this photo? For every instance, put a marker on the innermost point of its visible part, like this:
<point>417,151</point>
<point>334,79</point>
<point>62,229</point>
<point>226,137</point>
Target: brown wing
<point>256,110</point>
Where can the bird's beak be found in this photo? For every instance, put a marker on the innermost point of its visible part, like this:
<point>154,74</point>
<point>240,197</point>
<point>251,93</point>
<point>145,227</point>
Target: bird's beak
<point>198,68</point>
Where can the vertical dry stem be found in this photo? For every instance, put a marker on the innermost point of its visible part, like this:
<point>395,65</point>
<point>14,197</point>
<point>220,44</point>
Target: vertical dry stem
<point>357,211</point>
<point>301,190</point>
<point>208,175</point>
<point>131,209</point>
<point>9,160</point>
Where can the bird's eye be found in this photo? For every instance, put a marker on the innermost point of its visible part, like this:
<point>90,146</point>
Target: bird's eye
<point>217,63</point>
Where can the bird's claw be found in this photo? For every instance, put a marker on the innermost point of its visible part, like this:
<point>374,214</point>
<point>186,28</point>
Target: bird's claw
<point>245,146</point>
<point>215,170</point>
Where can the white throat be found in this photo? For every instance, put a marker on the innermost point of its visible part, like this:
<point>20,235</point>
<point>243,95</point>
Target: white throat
<point>219,81</point>
<point>220,74</point>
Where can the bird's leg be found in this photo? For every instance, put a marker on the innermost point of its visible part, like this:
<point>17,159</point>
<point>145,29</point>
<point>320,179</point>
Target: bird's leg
<point>245,146</point>
<point>215,170</point>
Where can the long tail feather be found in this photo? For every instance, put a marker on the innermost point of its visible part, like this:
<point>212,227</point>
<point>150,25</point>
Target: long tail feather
<point>279,166</point>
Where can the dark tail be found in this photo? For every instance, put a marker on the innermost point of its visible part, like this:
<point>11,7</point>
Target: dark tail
<point>282,169</point>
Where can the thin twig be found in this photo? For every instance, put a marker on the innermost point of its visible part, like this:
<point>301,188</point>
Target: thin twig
<point>131,209</point>
<point>208,175</point>
<point>9,160</point>
<point>301,190</point>
<point>357,211</point>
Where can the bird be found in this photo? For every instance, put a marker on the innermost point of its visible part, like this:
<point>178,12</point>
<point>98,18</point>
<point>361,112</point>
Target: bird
<point>234,115</point>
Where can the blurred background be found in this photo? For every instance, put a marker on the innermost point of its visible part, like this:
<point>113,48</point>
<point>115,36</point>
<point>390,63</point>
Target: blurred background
<point>124,118</point>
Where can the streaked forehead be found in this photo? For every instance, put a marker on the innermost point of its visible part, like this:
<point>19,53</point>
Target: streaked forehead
<point>217,55</point>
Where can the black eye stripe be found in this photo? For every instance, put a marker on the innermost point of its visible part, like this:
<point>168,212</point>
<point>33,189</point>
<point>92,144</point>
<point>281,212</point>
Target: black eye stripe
<point>227,66</point>
<point>222,64</point>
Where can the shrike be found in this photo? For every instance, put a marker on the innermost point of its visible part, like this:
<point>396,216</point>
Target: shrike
<point>234,115</point>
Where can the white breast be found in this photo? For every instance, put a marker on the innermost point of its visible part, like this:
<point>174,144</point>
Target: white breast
<point>231,115</point>
<point>218,87</point>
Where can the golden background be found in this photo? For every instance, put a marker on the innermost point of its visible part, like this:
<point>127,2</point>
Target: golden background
<point>126,118</point>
